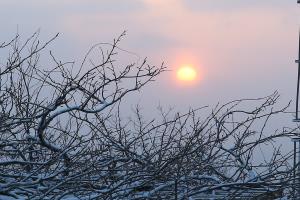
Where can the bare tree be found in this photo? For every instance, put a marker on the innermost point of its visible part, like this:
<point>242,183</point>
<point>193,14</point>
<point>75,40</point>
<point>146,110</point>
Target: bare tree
<point>62,135</point>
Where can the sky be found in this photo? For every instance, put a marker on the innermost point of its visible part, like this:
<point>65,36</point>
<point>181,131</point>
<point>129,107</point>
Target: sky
<point>240,49</point>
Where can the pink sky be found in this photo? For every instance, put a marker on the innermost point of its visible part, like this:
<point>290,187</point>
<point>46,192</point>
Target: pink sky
<point>240,49</point>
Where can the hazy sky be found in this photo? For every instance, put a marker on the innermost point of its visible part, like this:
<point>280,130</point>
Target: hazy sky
<point>241,48</point>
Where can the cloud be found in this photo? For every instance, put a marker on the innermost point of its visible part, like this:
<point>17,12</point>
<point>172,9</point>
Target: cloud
<point>79,6</point>
<point>52,12</point>
<point>229,5</point>
<point>104,6</point>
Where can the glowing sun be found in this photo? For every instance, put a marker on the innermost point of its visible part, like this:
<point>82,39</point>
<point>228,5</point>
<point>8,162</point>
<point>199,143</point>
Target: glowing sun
<point>186,73</point>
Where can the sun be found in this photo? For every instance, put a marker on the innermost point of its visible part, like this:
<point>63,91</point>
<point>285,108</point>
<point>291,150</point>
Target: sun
<point>186,73</point>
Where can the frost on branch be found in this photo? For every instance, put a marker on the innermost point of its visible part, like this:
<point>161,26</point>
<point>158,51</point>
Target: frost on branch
<point>62,135</point>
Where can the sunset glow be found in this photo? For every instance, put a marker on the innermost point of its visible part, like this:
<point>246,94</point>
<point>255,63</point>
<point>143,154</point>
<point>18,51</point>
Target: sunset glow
<point>186,73</point>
